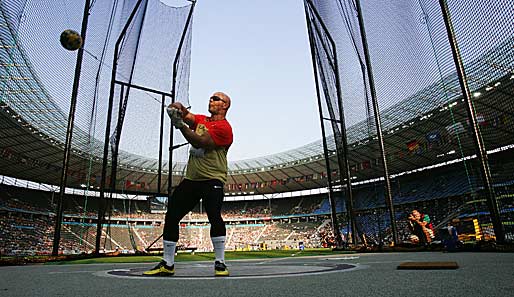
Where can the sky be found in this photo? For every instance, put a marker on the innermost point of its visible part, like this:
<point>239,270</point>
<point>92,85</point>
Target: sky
<point>258,53</point>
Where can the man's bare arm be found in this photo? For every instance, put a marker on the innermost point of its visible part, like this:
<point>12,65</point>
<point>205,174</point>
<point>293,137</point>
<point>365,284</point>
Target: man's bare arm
<point>204,141</point>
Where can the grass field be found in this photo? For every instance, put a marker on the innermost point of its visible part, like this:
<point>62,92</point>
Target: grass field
<point>182,257</point>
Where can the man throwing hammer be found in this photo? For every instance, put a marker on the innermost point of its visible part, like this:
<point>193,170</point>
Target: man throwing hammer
<point>210,138</point>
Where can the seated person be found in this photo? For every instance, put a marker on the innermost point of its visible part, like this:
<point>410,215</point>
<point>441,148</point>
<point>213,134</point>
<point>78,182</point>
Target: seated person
<point>449,237</point>
<point>420,226</point>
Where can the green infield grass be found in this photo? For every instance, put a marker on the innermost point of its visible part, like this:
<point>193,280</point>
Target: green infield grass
<point>186,256</point>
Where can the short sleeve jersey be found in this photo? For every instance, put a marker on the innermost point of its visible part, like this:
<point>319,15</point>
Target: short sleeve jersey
<point>210,164</point>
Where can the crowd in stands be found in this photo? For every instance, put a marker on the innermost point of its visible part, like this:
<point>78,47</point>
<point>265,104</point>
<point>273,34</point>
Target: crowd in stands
<point>24,233</point>
<point>26,220</point>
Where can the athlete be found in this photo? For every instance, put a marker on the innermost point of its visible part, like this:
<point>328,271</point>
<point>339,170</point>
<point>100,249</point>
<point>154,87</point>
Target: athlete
<point>210,138</point>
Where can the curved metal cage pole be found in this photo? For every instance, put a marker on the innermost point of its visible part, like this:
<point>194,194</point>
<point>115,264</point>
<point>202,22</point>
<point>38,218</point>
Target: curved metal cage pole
<point>103,204</point>
<point>69,131</point>
<point>480,150</point>
<point>173,99</point>
<point>342,148</point>
<point>378,124</point>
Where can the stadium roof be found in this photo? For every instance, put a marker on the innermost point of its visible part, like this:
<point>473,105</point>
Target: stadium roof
<point>34,131</point>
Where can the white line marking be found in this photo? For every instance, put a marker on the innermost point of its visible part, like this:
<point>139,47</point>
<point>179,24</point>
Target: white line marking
<point>343,258</point>
<point>68,272</point>
<point>272,260</point>
<point>233,277</point>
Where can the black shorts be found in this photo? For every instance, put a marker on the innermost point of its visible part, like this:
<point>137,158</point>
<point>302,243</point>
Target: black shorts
<point>187,194</point>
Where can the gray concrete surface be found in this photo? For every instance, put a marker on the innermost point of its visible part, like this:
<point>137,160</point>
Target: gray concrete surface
<point>479,274</point>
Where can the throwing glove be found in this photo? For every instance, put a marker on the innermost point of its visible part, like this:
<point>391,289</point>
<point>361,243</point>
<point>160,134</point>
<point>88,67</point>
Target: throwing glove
<point>176,117</point>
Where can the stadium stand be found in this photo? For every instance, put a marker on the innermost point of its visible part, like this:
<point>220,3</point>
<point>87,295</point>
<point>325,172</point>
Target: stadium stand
<point>443,193</point>
<point>428,138</point>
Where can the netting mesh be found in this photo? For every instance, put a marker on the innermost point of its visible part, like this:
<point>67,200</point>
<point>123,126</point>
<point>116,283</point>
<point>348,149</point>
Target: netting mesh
<point>422,111</point>
<point>37,80</point>
<point>44,75</point>
<point>428,138</point>
<point>156,49</point>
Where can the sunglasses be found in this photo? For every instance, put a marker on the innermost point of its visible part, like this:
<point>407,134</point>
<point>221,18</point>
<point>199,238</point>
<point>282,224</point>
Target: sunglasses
<point>216,98</point>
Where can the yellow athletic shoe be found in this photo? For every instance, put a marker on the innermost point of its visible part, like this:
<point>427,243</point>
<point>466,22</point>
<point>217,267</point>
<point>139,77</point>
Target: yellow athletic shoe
<point>161,270</point>
<point>220,269</point>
